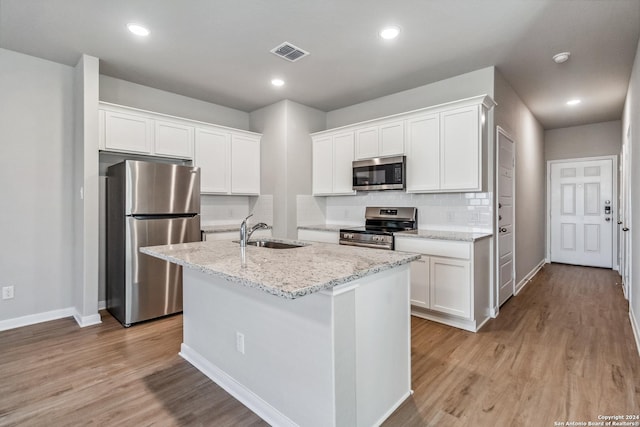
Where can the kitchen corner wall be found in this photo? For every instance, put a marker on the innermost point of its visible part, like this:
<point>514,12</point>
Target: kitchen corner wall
<point>286,158</point>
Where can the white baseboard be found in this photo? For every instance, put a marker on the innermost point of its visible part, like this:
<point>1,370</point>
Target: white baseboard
<point>521,284</point>
<point>47,316</point>
<point>84,321</point>
<point>32,319</point>
<point>248,398</point>
<point>635,328</point>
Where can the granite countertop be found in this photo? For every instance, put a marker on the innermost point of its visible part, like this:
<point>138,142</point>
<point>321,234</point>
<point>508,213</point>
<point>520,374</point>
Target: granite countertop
<point>288,273</point>
<point>326,227</point>
<point>462,236</point>
<point>223,228</point>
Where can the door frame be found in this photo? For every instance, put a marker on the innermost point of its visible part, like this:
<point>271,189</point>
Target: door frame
<point>496,287</point>
<point>614,204</point>
<point>625,195</point>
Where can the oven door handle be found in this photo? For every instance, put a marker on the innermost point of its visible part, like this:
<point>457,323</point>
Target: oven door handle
<point>365,245</point>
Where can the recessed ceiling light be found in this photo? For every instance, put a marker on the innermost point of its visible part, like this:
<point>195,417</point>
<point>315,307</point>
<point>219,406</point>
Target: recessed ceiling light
<point>277,82</point>
<point>561,57</point>
<point>138,29</point>
<point>574,102</point>
<point>389,33</point>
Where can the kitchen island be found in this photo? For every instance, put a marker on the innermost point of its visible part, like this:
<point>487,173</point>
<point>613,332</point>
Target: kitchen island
<point>317,335</point>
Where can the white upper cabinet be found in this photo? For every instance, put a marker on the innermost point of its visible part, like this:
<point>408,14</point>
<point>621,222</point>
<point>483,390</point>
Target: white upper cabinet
<point>423,153</point>
<point>229,161</point>
<point>127,132</point>
<point>173,139</point>
<point>461,145</point>
<point>212,154</point>
<point>245,164</point>
<point>332,164</point>
<point>382,140</point>
<point>446,148</point>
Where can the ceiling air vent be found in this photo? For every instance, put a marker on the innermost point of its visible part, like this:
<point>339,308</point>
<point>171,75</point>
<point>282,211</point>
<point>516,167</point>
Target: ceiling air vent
<point>289,52</point>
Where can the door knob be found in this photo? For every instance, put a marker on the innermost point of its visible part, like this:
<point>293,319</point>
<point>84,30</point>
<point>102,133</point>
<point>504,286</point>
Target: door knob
<point>607,219</point>
<point>619,222</point>
<point>625,228</point>
<point>503,230</point>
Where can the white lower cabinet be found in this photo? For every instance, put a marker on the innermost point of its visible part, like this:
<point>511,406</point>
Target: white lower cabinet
<point>449,289</point>
<point>420,282</point>
<point>321,236</point>
<point>450,283</point>
<point>234,235</point>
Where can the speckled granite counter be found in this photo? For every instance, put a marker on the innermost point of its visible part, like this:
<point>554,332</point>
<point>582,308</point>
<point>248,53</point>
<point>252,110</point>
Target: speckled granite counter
<point>462,236</point>
<point>288,273</point>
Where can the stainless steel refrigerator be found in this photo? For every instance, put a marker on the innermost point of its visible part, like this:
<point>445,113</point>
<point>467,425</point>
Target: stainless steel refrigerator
<point>148,204</point>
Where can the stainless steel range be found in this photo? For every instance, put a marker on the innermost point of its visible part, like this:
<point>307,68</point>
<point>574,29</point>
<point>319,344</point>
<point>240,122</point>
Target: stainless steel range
<point>380,224</point>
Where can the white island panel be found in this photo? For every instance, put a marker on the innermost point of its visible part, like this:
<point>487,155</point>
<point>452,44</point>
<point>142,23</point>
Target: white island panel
<point>339,357</point>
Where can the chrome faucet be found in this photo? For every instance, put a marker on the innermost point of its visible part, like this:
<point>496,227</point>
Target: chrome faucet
<point>246,235</point>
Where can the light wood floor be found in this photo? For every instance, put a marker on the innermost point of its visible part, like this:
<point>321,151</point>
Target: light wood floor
<point>562,350</point>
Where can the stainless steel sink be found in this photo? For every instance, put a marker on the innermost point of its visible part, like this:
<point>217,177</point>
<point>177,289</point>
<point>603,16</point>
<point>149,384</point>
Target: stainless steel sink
<point>273,245</point>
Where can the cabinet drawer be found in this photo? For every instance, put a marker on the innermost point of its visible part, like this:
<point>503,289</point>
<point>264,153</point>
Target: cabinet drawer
<point>441,248</point>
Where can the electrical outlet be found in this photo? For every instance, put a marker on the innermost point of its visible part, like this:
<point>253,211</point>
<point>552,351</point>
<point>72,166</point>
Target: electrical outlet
<point>7,292</point>
<point>240,342</point>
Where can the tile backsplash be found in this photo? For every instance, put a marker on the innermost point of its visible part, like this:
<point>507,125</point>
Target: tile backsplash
<point>450,211</point>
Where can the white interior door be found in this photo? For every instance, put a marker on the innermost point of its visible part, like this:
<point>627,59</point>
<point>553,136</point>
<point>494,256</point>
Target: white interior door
<point>506,165</point>
<point>582,212</point>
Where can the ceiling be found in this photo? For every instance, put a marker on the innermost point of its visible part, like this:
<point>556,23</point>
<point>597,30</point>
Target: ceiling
<point>219,51</point>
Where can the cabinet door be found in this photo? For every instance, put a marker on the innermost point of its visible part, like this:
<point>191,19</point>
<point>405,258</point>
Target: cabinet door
<point>450,286</point>
<point>423,153</point>
<point>212,155</point>
<point>245,165</point>
<point>461,150</point>
<point>173,139</point>
<point>319,236</point>
<point>420,282</point>
<point>128,132</point>
<point>343,163</point>
<point>391,139</point>
<point>367,143</point>
<point>322,168</point>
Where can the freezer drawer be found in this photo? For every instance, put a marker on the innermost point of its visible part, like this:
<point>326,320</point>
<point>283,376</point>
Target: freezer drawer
<point>158,188</point>
<point>153,287</point>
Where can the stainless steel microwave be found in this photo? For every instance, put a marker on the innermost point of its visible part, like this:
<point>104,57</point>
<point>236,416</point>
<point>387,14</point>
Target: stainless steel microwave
<point>382,173</point>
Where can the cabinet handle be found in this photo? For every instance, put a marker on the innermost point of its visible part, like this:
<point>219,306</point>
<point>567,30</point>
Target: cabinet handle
<point>625,228</point>
<point>619,222</point>
<point>503,230</point>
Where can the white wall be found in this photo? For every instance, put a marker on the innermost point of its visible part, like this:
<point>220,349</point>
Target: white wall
<point>515,118</point>
<point>631,120</point>
<point>36,172</point>
<point>477,82</point>
<point>593,140</point>
<point>130,94</point>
